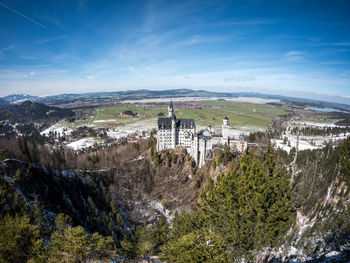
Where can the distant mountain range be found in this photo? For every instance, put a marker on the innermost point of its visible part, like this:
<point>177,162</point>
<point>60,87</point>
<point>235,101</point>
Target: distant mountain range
<point>4,103</point>
<point>18,98</point>
<point>97,97</point>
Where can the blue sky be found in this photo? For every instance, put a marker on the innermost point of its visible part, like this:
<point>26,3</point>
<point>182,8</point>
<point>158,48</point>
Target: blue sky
<point>290,47</point>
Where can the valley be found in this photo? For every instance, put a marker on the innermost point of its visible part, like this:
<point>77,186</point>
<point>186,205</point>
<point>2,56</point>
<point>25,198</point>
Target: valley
<point>175,131</point>
<point>98,168</point>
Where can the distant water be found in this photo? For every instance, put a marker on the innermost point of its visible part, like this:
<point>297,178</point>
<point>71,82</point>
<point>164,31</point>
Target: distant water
<point>325,109</point>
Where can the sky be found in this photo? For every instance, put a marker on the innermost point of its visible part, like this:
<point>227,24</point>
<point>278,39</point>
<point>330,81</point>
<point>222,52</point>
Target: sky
<point>290,47</point>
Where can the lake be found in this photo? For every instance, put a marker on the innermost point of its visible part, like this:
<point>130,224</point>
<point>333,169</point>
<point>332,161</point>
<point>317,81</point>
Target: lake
<point>325,109</point>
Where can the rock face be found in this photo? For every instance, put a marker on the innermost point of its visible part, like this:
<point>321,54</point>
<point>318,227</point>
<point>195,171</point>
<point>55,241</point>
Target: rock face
<point>140,188</point>
<point>321,232</point>
<point>147,188</point>
<point>152,184</point>
<point>73,193</point>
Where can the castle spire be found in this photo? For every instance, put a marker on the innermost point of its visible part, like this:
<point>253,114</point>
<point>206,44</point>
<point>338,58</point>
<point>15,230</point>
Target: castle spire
<point>171,110</point>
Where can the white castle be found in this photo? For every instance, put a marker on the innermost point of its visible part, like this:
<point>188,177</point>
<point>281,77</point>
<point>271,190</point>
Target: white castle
<point>173,132</point>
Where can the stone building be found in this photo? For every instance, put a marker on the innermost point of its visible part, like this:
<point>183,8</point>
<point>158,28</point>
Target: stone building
<point>173,132</point>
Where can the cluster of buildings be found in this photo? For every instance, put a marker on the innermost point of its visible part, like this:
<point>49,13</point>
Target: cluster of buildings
<point>173,132</point>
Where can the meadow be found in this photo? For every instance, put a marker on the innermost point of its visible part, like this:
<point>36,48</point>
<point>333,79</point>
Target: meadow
<point>250,115</point>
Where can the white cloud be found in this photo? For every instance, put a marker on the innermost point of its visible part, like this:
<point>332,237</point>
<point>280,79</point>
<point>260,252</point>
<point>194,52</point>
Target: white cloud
<point>32,73</point>
<point>50,39</point>
<point>249,22</point>
<point>28,57</point>
<point>294,53</point>
<point>5,49</point>
<point>90,77</point>
<point>201,39</point>
<point>132,69</point>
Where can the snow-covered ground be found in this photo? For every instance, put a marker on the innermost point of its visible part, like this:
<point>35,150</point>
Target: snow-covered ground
<point>252,100</point>
<point>102,121</point>
<point>313,124</point>
<point>159,206</point>
<point>83,143</point>
<point>243,130</point>
<point>133,128</point>
<point>148,210</point>
<point>307,142</point>
<point>303,223</point>
<point>117,134</point>
<point>60,128</point>
<point>235,132</point>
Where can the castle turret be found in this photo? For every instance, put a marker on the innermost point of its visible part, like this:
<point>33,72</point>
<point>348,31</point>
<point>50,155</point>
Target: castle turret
<point>225,128</point>
<point>171,110</point>
<point>173,132</point>
<point>171,115</point>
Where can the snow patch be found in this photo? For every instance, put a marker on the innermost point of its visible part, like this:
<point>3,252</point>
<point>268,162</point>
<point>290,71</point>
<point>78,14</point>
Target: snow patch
<point>307,142</point>
<point>57,128</point>
<point>101,121</point>
<point>303,222</point>
<point>329,191</point>
<point>82,143</point>
<point>159,206</point>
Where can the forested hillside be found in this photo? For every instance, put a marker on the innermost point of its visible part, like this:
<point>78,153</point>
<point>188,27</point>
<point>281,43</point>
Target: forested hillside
<point>31,112</point>
<point>128,202</point>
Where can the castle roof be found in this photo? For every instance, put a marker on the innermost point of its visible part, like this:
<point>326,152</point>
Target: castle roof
<point>165,123</point>
<point>171,106</point>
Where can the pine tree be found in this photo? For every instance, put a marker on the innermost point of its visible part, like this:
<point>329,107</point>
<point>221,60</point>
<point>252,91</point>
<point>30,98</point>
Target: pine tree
<point>74,244</point>
<point>19,240</point>
<point>252,206</point>
<point>196,247</point>
<point>345,158</point>
<point>10,201</point>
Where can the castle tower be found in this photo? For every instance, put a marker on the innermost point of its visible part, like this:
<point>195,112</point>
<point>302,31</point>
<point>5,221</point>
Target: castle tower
<point>173,131</point>
<point>195,149</point>
<point>173,124</point>
<point>225,128</point>
<point>171,110</point>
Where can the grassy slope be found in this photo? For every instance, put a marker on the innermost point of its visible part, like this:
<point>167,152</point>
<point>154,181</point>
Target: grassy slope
<point>240,114</point>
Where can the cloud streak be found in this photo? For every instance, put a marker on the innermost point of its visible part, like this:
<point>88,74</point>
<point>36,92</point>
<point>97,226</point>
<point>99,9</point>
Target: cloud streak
<point>26,17</point>
<point>50,39</point>
<point>3,50</point>
<point>256,22</point>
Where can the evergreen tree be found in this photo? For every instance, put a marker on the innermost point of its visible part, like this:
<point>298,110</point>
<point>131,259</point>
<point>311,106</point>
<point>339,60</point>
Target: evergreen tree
<point>38,216</point>
<point>10,201</point>
<point>146,240</point>
<point>345,158</point>
<point>63,222</point>
<point>252,206</point>
<point>19,240</point>
<point>185,223</point>
<point>196,247</point>
<point>75,245</point>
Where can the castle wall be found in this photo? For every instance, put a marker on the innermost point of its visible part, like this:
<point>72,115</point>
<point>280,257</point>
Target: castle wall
<point>183,138</point>
<point>171,135</point>
<point>164,139</point>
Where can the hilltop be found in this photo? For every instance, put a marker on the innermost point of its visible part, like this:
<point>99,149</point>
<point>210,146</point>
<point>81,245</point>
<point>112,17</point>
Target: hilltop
<point>19,98</point>
<point>28,118</point>
<point>30,112</point>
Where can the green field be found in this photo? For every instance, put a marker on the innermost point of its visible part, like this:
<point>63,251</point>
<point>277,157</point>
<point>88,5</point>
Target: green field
<point>240,114</point>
